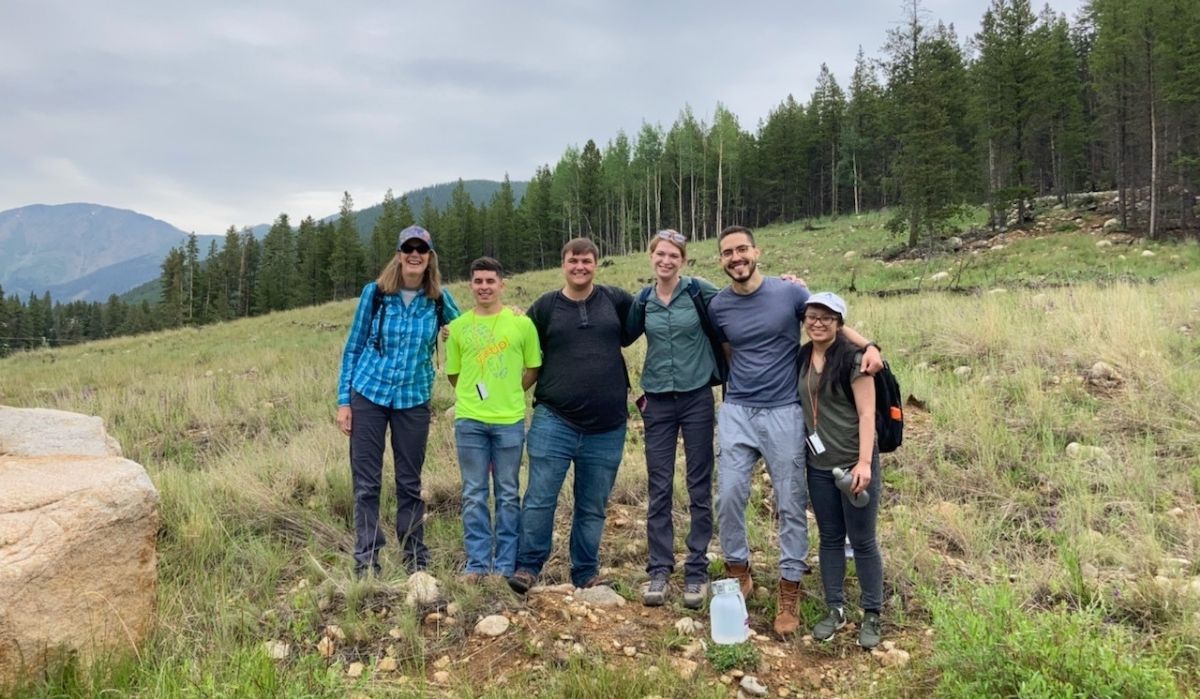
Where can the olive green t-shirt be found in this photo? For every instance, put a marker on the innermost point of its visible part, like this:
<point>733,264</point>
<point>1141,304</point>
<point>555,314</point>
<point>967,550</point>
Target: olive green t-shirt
<point>832,415</point>
<point>491,352</point>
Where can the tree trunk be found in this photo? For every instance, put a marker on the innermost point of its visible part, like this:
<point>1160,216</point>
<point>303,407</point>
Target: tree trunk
<point>854,174</point>
<point>720,187</point>
<point>1153,232</point>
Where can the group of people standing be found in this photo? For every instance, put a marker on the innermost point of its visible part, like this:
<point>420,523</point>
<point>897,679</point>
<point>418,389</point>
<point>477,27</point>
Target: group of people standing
<point>797,416</point>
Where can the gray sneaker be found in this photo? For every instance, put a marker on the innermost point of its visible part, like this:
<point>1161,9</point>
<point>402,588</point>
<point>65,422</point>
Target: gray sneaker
<point>828,626</point>
<point>654,593</point>
<point>871,630</point>
<point>694,594</point>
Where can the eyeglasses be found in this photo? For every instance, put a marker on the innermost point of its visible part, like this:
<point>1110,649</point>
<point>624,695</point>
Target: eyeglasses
<point>740,250</point>
<point>673,236</point>
<point>410,249</point>
<point>820,320</point>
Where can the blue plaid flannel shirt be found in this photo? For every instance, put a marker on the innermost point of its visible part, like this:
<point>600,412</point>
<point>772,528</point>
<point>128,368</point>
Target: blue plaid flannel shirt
<point>401,374</point>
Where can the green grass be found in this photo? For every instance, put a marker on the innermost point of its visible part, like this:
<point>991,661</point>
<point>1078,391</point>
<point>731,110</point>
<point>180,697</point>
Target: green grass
<point>234,423</point>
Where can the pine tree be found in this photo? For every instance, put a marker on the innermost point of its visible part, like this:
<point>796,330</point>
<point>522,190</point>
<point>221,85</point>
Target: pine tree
<point>346,258</point>
<point>277,268</point>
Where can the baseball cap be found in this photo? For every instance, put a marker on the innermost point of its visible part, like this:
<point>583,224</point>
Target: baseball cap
<point>829,300</point>
<point>414,233</point>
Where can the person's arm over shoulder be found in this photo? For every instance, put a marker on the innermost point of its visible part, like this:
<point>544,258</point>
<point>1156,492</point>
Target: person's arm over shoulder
<point>623,300</point>
<point>356,342</point>
<point>635,320</point>
<point>799,296</point>
<point>872,360</point>
<point>452,310</point>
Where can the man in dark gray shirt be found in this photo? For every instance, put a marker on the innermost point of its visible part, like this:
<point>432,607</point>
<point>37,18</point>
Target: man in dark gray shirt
<point>758,319</point>
<point>579,415</point>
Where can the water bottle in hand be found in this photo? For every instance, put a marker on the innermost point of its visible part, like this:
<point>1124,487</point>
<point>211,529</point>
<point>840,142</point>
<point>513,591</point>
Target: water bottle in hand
<point>845,483</point>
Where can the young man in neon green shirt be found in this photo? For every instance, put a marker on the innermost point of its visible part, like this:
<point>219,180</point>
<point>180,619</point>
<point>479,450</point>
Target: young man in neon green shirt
<point>492,358</point>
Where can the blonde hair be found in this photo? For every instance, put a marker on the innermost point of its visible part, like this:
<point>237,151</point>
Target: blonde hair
<point>391,279</point>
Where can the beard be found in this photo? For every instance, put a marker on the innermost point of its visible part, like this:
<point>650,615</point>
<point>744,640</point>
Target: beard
<point>748,272</point>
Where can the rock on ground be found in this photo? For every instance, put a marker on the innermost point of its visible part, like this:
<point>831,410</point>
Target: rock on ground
<point>424,590</point>
<point>77,543</point>
<point>600,596</point>
<point>493,625</point>
<point>43,432</point>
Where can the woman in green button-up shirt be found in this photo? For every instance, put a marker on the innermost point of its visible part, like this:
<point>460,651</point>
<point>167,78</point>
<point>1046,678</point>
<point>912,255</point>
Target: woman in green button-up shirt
<point>677,379</point>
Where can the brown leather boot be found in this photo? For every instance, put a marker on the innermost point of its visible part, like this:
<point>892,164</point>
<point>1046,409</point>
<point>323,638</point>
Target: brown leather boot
<point>786,621</point>
<point>741,571</point>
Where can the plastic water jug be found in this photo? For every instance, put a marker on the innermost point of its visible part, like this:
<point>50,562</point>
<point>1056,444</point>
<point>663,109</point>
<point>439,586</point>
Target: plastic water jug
<point>845,483</point>
<point>727,613</point>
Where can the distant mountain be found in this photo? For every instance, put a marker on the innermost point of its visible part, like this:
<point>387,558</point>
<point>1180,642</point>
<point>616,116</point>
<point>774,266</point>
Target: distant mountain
<point>80,251</point>
<point>89,251</point>
<point>480,191</point>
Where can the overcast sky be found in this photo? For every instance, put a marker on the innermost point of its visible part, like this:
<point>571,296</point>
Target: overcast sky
<point>219,113</point>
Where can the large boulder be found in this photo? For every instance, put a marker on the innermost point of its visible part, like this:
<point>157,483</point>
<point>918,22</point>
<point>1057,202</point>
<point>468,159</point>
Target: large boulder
<point>77,542</point>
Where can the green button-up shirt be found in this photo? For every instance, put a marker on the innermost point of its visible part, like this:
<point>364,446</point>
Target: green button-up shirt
<point>679,356</point>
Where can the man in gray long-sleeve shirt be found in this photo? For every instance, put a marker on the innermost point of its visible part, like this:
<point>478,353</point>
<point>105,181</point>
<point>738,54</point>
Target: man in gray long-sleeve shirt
<point>758,319</point>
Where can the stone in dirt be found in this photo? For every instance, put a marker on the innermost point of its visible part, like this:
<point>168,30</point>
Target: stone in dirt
<point>355,669</point>
<point>325,647</point>
<point>277,650</point>
<point>753,687</point>
<point>600,596</point>
<point>386,665</point>
<point>441,677</point>
<point>688,626</point>
<point>424,590</point>
<point>684,667</point>
<point>564,589</point>
<point>492,626</point>
<point>1089,454</point>
<point>78,532</point>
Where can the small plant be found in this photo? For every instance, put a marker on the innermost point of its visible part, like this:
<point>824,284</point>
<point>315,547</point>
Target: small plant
<point>734,655</point>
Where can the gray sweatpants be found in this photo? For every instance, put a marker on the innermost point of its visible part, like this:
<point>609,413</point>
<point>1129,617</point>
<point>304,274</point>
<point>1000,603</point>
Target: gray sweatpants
<point>777,435</point>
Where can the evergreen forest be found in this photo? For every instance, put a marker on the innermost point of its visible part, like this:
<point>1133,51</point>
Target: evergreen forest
<point>1032,104</point>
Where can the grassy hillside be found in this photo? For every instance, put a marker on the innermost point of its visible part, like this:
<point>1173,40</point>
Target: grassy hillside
<point>1015,563</point>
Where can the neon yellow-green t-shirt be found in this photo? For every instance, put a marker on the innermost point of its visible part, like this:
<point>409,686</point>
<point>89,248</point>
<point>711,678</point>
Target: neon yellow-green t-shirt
<point>489,354</point>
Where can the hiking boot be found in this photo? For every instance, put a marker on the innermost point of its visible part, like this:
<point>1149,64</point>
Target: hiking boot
<point>741,572</point>
<point>521,581</point>
<point>654,592</point>
<point>871,630</point>
<point>694,594</point>
<point>828,626</point>
<point>786,621</point>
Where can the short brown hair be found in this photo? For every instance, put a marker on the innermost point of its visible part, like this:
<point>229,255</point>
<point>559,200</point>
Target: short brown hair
<point>487,264</point>
<point>580,246</point>
<point>731,230</point>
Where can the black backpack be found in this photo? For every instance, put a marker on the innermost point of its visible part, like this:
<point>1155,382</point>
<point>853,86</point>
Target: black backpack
<point>377,302</point>
<point>721,372</point>
<point>889,404</point>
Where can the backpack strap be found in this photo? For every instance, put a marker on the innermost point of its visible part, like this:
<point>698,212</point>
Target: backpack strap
<point>377,317</point>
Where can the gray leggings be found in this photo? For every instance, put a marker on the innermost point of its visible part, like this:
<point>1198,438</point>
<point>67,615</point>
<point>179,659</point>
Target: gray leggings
<point>837,519</point>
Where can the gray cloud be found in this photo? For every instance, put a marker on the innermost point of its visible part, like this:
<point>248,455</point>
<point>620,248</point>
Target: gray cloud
<point>212,114</point>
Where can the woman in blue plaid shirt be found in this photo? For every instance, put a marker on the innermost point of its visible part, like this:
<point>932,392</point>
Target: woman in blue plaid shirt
<point>387,380</point>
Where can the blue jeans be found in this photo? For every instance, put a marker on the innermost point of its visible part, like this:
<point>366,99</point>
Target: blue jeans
<point>480,446</point>
<point>553,445</point>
